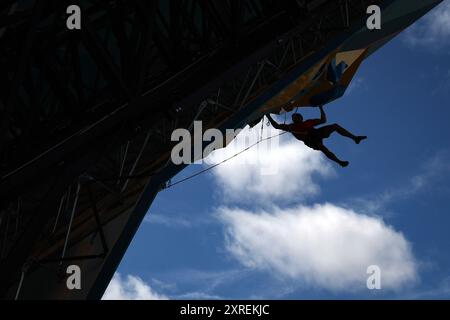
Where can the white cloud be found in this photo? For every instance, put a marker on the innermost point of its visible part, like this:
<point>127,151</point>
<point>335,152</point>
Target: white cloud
<point>433,30</point>
<point>130,288</point>
<point>277,169</point>
<point>168,221</point>
<point>171,220</point>
<point>322,246</point>
<point>198,296</point>
<point>134,288</point>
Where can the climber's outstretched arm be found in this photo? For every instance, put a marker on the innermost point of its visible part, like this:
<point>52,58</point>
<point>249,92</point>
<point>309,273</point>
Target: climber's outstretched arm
<point>323,116</point>
<point>275,124</point>
<point>322,120</point>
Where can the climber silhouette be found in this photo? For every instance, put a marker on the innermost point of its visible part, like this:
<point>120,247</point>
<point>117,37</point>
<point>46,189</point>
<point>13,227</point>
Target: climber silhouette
<point>313,137</point>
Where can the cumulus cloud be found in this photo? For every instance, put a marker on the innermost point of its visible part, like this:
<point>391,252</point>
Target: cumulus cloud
<point>433,30</point>
<point>134,288</point>
<point>130,288</point>
<point>322,246</point>
<point>277,169</point>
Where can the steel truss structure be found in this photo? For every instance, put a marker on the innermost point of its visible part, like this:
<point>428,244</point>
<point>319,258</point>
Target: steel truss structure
<point>86,115</point>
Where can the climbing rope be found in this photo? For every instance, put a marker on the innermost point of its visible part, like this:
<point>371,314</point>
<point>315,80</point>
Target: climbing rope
<point>262,130</point>
<point>170,185</point>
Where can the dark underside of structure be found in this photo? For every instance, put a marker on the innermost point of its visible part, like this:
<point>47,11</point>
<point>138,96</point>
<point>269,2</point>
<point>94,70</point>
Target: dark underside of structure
<point>86,115</point>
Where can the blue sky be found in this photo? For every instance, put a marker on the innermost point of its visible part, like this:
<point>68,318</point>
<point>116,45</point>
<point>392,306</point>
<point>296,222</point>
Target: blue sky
<point>311,230</point>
